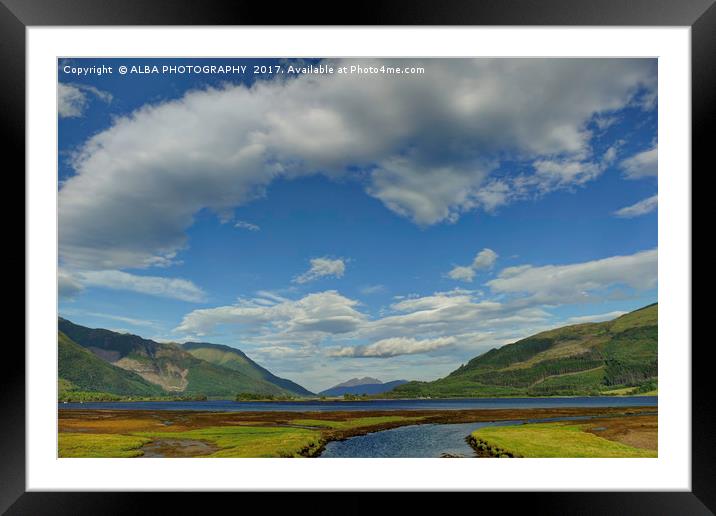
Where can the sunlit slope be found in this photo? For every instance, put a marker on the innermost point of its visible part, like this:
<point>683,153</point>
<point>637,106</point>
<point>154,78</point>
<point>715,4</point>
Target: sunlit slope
<point>582,359</point>
<point>164,365</point>
<point>237,360</point>
<point>81,370</point>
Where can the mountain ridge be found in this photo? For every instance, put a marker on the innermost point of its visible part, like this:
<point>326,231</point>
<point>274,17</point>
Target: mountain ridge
<point>361,388</point>
<point>235,359</point>
<point>165,365</point>
<point>579,359</point>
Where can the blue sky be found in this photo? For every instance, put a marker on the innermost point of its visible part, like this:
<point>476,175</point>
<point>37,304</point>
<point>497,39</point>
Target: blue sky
<point>334,226</point>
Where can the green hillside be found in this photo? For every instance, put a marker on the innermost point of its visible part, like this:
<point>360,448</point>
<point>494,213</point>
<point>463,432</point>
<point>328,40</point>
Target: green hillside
<point>81,370</point>
<point>237,360</point>
<point>583,359</point>
<point>164,366</point>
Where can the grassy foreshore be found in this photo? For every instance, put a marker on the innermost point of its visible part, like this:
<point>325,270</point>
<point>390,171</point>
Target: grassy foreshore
<point>137,433</point>
<point>631,436</point>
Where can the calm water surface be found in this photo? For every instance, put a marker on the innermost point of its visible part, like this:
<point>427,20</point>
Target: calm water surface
<point>323,406</point>
<point>416,441</point>
<point>419,441</point>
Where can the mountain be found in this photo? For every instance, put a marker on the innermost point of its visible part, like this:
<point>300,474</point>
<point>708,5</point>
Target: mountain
<point>81,370</point>
<point>361,386</point>
<point>166,367</point>
<point>366,380</point>
<point>236,360</point>
<point>581,359</point>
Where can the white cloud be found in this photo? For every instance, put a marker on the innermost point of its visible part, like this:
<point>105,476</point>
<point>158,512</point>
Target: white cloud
<point>425,146</point>
<point>72,99</point>
<point>557,284</point>
<point>322,267</point>
<point>604,122</point>
<point>449,314</point>
<point>174,288</point>
<point>640,208</point>
<point>553,174</point>
<point>67,285</point>
<point>459,318</point>
<point>596,317</point>
<point>483,260</point>
<point>130,320</point>
<point>304,324</point>
<point>246,225</point>
<point>393,347</point>
<point>372,289</point>
<point>305,320</point>
<point>461,273</point>
<point>643,164</point>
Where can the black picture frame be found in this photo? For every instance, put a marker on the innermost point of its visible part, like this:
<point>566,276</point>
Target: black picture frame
<point>700,15</point>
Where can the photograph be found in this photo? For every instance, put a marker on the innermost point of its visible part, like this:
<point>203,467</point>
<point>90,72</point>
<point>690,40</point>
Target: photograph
<point>357,257</point>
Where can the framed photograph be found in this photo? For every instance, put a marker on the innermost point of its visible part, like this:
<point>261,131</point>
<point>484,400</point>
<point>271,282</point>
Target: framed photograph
<point>277,253</point>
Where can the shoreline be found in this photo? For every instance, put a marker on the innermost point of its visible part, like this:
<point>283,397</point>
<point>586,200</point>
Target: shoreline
<point>337,400</point>
<point>319,427</point>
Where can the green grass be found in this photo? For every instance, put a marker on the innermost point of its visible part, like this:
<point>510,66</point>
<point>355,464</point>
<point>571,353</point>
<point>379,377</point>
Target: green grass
<point>79,369</point>
<point>231,441</point>
<point>582,359</point>
<point>236,360</point>
<point>554,440</point>
<point>99,445</point>
<point>570,383</point>
<point>170,362</point>
<point>250,441</point>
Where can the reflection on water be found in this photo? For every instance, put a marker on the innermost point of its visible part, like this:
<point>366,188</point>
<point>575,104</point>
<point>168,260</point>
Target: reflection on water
<point>417,441</point>
<point>421,441</point>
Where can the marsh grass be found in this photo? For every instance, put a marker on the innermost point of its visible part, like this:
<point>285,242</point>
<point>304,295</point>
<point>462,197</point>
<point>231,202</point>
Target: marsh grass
<point>250,441</point>
<point>99,445</point>
<point>553,440</point>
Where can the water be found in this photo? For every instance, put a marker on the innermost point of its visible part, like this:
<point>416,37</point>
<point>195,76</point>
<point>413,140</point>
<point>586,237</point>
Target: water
<point>420,441</point>
<point>372,405</point>
<point>416,441</point>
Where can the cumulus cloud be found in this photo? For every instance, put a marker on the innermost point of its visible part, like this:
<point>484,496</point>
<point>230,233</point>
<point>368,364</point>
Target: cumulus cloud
<point>640,208</point>
<point>73,99</point>
<point>555,284</point>
<point>552,174</point>
<point>484,260</point>
<point>463,319</point>
<point>322,267</point>
<point>416,325</point>
<point>393,347</point>
<point>313,316</point>
<point>643,164</point>
<point>426,146</point>
<point>246,225</point>
<point>461,273</point>
<point>175,288</point>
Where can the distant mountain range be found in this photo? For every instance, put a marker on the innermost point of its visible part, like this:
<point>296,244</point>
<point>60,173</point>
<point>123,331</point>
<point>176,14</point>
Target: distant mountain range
<point>358,386</point>
<point>99,360</point>
<point>617,357</point>
<point>612,357</point>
